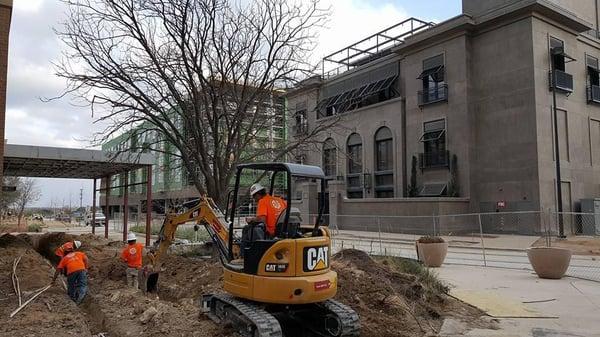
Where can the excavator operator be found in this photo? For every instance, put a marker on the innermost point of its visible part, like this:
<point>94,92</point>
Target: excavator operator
<point>268,210</point>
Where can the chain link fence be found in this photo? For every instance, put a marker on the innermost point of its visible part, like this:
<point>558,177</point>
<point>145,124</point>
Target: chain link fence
<point>498,239</point>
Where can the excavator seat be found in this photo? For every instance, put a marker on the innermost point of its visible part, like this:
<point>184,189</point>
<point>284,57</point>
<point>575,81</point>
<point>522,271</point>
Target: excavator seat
<point>293,224</point>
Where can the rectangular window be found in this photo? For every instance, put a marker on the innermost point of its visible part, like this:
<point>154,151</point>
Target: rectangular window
<point>301,125</point>
<point>557,49</point>
<point>433,81</point>
<point>329,158</point>
<point>593,79</point>
<point>384,164</point>
<point>434,144</point>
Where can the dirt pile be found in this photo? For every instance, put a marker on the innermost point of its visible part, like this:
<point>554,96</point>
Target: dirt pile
<point>51,314</point>
<point>390,302</point>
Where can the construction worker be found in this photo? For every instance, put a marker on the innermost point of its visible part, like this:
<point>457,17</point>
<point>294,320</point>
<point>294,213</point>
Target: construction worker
<point>132,255</point>
<point>268,208</point>
<point>76,264</point>
<point>67,247</point>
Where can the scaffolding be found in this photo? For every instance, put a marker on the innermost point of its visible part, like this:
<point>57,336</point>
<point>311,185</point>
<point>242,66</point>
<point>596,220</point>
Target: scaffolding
<point>372,47</point>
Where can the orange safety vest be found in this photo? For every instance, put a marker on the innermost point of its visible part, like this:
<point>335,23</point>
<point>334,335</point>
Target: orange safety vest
<point>73,261</point>
<point>132,254</point>
<point>270,207</point>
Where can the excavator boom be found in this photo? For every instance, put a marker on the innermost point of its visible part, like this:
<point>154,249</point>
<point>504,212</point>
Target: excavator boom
<point>205,213</point>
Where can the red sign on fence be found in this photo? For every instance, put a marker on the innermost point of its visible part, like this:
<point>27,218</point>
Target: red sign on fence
<point>501,204</point>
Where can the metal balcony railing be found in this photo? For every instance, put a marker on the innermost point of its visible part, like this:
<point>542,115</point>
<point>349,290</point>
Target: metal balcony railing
<point>434,159</point>
<point>561,81</point>
<point>438,93</point>
<point>593,94</point>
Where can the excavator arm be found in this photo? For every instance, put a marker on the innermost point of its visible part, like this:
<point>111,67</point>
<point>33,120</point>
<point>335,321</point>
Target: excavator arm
<point>205,213</point>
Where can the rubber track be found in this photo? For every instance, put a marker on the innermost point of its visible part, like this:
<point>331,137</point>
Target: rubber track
<point>265,323</point>
<point>348,317</point>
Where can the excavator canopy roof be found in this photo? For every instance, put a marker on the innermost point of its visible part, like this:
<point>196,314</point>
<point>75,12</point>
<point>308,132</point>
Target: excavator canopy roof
<point>296,170</point>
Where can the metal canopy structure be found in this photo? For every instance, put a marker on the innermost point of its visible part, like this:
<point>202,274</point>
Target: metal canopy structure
<point>56,162</point>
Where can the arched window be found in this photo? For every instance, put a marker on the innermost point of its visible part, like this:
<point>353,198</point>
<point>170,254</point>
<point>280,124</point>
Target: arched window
<point>384,163</point>
<point>353,177</point>
<point>329,158</point>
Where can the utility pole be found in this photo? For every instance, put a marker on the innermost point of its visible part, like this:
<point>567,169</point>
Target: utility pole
<point>80,198</point>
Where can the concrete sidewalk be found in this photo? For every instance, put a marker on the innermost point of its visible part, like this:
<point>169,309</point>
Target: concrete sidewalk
<point>575,302</point>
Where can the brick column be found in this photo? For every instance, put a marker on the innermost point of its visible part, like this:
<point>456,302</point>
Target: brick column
<point>5,18</point>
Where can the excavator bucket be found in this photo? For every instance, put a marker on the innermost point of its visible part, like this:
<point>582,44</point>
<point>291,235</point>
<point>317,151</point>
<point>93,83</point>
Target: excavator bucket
<point>149,281</point>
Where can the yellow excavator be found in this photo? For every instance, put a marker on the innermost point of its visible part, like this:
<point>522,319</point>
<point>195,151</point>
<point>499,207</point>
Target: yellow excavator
<point>273,286</point>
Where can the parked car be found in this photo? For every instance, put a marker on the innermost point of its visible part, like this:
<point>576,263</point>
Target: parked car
<point>99,221</point>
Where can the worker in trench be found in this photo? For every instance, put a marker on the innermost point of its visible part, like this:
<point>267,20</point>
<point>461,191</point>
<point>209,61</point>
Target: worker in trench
<point>75,263</point>
<point>66,247</point>
<point>132,255</point>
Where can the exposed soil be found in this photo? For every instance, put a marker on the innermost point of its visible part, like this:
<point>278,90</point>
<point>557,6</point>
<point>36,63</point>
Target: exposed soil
<point>390,303</point>
<point>51,314</point>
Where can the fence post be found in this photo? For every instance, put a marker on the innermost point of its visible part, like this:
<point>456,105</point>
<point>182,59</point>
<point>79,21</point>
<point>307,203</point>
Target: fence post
<point>433,217</point>
<point>481,236</point>
<point>380,243</point>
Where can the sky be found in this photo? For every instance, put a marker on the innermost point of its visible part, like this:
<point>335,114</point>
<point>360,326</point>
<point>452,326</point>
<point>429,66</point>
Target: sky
<point>32,120</point>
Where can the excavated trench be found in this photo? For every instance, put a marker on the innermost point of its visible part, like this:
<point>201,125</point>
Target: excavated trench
<point>110,308</point>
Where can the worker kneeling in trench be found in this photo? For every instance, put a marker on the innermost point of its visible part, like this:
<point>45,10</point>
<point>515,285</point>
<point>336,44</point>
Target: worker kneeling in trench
<point>75,264</point>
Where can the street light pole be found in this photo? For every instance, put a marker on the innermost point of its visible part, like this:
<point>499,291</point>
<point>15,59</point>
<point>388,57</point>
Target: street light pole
<point>559,205</point>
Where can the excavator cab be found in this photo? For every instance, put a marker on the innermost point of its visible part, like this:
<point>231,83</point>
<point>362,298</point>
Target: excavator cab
<point>280,181</point>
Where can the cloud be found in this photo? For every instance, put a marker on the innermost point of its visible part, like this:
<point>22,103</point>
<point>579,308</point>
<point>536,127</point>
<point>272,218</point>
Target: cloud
<point>353,20</point>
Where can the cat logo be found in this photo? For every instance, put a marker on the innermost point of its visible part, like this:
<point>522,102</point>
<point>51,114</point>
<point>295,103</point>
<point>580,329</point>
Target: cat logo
<point>316,258</point>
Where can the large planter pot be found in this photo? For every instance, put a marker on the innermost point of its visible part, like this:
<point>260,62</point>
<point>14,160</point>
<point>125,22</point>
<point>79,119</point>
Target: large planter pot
<point>549,262</point>
<point>432,254</point>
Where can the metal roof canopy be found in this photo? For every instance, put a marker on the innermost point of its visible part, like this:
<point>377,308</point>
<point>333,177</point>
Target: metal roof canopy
<point>297,170</point>
<point>56,162</point>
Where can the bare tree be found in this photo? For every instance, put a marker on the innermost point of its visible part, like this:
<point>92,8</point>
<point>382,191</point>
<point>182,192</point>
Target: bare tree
<point>27,192</point>
<point>203,75</point>
<point>8,199</point>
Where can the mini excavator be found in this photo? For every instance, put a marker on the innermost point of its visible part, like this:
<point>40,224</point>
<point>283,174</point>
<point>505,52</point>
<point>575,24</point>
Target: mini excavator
<point>271,285</point>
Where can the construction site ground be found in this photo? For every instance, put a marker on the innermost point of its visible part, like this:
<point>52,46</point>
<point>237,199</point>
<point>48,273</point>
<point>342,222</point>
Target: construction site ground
<point>390,302</point>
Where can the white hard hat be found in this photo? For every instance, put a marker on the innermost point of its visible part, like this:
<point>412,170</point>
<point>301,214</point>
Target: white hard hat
<point>77,244</point>
<point>131,236</point>
<point>255,188</point>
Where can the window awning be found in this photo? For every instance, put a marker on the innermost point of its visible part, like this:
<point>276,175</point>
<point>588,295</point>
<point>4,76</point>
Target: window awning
<point>432,136</point>
<point>430,71</point>
<point>344,100</point>
<point>560,51</point>
<point>433,190</point>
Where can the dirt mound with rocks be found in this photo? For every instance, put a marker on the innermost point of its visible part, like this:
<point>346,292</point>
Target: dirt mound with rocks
<point>391,302</point>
